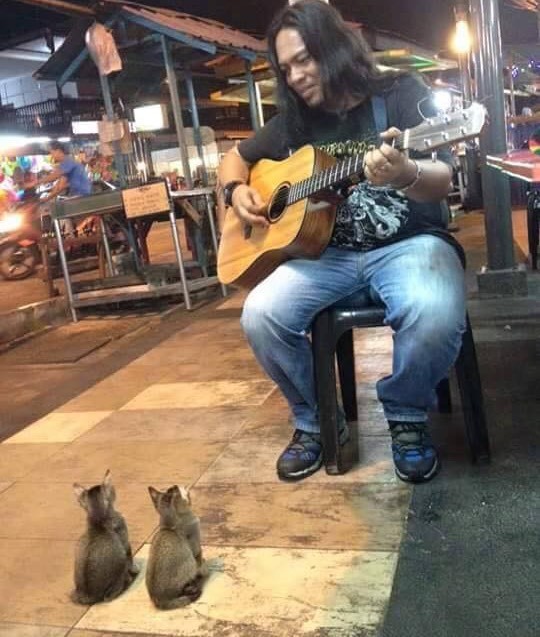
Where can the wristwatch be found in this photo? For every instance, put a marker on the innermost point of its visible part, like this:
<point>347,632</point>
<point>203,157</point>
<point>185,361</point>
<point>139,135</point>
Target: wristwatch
<point>228,190</point>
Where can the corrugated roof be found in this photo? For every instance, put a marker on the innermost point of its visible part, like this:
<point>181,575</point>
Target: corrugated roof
<point>526,5</point>
<point>200,28</point>
<point>190,29</point>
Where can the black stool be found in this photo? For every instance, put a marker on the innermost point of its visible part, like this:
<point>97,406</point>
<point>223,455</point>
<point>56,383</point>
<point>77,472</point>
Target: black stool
<point>332,334</point>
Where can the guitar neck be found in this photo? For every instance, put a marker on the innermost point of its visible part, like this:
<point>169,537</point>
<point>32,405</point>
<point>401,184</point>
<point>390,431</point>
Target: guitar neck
<point>431,134</point>
<point>330,176</point>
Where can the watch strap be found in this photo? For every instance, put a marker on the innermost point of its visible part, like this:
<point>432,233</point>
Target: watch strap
<point>229,188</point>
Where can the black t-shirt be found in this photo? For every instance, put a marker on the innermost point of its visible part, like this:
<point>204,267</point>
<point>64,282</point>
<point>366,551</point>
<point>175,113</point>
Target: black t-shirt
<point>371,216</point>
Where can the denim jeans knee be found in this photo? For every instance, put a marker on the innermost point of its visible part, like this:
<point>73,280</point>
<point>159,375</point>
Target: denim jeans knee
<point>422,286</point>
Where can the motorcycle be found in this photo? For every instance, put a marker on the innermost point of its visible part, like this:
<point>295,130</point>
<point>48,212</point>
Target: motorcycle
<point>20,234</point>
<point>25,225</point>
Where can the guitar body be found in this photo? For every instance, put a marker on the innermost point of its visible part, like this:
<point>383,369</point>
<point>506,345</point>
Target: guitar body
<point>302,229</point>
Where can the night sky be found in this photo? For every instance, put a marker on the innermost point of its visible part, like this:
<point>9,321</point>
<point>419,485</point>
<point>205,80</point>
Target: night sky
<point>429,22</point>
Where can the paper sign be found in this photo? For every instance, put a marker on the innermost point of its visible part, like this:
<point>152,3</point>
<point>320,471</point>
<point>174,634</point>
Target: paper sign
<point>146,200</point>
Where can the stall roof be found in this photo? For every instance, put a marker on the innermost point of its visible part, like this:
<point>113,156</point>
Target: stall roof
<point>166,21</point>
<point>526,5</point>
<point>207,37</point>
<point>72,47</point>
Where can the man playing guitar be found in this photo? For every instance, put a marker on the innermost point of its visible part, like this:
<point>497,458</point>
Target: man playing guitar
<point>386,242</point>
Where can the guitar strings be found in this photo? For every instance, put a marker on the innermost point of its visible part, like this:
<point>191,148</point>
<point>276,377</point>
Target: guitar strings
<point>304,188</point>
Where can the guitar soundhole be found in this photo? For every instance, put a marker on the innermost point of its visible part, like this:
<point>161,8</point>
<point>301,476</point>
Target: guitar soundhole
<point>278,204</point>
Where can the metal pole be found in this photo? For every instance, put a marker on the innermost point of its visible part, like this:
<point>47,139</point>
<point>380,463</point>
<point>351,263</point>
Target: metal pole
<point>210,212</point>
<point>465,76</point>
<point>106,246</point>
<point>65,269</point>
<point>253,110</point>
<point>511,87</point>
<point>109,109</point>
<point>178,251</point>
<point>147,156</point>
<point>177,110</point>
<point>490,91</point>
<point>196,124</point>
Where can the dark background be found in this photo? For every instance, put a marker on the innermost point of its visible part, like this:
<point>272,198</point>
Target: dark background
<point>428,22</point>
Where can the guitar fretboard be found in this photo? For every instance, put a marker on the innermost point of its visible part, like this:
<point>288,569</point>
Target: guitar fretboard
<point>330,176</point>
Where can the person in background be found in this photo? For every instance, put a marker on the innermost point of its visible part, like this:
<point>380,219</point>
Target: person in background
<point>389,244</point>
<point>67,174</point>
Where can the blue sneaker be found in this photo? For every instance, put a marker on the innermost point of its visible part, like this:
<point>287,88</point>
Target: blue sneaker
<point>303,455</point>
<point>415,457</point>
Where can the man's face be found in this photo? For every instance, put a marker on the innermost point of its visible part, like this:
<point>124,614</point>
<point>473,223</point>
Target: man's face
<point>300,69</point>
<point>56,154</point>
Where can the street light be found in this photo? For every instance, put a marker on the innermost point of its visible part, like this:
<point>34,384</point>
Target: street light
<point>462,37</point>
<point>462,43</point>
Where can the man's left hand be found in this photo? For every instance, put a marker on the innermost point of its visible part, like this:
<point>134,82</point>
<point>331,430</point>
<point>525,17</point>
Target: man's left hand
<point>388,166</point>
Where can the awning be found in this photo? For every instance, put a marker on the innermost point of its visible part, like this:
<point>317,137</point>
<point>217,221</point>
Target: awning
<point>197,37</point>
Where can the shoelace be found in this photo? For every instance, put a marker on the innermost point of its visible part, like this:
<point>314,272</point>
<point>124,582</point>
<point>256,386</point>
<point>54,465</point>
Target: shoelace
<point>301,437</point>
<point>408,436</point>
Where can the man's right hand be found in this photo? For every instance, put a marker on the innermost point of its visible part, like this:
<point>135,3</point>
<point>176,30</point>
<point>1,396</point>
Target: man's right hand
<point>249,207</point>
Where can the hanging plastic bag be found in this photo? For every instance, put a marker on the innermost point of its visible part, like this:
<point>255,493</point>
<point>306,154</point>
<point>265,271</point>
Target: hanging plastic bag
<point>102,49</point>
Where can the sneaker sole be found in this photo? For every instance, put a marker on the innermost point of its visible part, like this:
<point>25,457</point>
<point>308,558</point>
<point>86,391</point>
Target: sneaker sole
<point>300,475</point>
<point>418,480</point>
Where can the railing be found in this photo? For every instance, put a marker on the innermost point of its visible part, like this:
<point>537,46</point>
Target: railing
<point>54,117</point>
<point>49,117</point>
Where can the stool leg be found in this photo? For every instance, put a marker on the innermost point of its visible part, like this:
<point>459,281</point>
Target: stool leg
<point>533,223</point>
<point>470,389</point>
<point>323,344</point>
<point>347,381</point>
<point>444,400</point>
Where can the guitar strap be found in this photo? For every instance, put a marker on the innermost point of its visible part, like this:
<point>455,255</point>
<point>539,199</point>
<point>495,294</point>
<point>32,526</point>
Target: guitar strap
<point>380,115</point>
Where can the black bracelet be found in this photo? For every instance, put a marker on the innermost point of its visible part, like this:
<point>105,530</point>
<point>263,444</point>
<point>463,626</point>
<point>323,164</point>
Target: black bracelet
<point>229,188</point>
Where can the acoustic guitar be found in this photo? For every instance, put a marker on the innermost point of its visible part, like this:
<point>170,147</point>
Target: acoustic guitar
<point>299,225</point>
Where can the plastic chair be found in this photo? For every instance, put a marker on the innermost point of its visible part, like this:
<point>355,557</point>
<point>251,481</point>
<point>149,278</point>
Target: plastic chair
<point>332,334</point>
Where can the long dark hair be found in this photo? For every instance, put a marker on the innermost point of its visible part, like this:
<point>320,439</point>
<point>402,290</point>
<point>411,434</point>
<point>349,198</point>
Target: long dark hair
<point>345,60</point>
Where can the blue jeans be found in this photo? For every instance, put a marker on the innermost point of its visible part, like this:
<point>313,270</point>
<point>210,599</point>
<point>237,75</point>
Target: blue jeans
<point>420,282</point>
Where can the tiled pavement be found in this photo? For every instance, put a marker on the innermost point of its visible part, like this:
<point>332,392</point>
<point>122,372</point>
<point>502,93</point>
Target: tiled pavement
<point>304,559</point>
<point>314,559</point>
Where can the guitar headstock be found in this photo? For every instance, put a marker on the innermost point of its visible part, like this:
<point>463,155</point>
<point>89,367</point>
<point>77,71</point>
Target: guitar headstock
<point>446,129</point>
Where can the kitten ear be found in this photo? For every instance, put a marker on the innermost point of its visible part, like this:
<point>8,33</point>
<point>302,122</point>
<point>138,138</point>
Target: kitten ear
<point>154,494</point>
<point>184,493</point>
<point>108,486</point>
<point>80,493</point>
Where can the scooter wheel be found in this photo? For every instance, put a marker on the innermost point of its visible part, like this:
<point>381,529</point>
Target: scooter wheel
<point>17,262</point>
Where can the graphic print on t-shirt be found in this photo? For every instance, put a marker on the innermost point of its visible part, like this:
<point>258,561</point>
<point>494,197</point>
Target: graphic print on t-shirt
<point>371,214</point>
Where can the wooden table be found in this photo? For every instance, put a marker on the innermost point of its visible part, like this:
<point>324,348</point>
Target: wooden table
<point>524,165</point>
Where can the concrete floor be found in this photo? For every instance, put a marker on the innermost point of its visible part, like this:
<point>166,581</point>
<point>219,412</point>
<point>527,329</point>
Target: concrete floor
<point>179,399</point>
